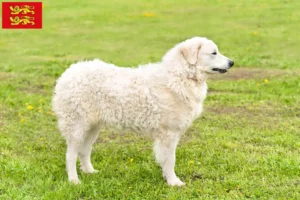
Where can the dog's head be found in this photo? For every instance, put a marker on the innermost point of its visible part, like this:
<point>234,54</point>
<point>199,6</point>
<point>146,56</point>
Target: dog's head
<point>204,55</point>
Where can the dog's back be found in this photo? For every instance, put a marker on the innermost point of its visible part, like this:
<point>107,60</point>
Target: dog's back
<point>107,95</point>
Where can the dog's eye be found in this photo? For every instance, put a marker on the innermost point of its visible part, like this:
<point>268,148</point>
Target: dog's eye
<point>214,53</point>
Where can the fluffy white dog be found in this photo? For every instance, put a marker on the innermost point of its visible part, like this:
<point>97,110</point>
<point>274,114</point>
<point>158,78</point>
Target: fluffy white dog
<point>160,100</point>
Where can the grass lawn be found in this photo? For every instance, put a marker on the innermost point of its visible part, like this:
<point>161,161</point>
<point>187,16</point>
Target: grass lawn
<point>245,145</point>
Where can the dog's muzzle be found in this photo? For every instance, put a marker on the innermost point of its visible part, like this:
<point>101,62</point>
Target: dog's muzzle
<point>222,71</point>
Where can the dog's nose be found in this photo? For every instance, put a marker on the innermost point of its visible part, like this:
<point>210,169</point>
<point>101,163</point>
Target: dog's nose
<point>231,63</point>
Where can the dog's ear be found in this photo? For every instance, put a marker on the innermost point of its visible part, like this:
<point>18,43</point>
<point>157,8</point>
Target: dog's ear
<point>190,52</point>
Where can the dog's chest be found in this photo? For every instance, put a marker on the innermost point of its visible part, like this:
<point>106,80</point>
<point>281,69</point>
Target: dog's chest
<point>199,97</point>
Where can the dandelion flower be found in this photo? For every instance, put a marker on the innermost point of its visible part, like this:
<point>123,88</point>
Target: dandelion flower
<point>50,113</point>
<point>266,81</point>
<point>42,139</point>
<point>192,162</point>
<point>22,120</point>
<point>255,33</point>
<point>131,160</point>
<point>19,114</point>
<point>42,100</point>
<point>148,14</point>
<point>29,107</point>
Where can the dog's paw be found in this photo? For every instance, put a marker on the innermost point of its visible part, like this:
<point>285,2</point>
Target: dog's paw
<point>75,181</point>
<point>88,170</point>
<point>175,182</point>
<point>92,171</point>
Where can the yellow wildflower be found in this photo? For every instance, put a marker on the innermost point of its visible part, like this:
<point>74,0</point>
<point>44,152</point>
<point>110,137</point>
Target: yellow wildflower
<point>42,100</point>
<point>148,14</point>
<point>19,114</point>
<point>266,81</point>
<point>30,107</point>
<point>22,120</point>
<point>50,113</point>
<point>41,139</point>
<point>255,33</point>
<point>192,162</point>
<point>131,160</point>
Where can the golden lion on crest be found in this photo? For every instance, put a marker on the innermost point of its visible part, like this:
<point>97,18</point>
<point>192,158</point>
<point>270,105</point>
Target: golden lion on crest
<point>23,20</point>
<point>21,9</point>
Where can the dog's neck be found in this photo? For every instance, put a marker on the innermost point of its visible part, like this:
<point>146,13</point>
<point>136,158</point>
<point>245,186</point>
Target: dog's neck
<point>183,82</point>
<point>197,77</point>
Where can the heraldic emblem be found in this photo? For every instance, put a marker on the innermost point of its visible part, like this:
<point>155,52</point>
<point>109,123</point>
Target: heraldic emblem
<point>21,15</point>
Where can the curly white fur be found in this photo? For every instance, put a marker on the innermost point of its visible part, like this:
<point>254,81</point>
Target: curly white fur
<point>160,100</point>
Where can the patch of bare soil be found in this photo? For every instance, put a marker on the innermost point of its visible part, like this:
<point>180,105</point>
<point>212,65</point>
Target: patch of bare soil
<point>260,116</point>
<point>248,73</point>
<point>35,89</point>
<point>6,75</point>
<point>250,112</point>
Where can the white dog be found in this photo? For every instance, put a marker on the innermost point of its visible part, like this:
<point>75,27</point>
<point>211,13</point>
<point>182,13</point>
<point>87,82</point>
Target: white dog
<point>160,100</point>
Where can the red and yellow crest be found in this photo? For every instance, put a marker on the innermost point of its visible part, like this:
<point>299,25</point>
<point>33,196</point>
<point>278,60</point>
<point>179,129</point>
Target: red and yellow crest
<point>22,15</point>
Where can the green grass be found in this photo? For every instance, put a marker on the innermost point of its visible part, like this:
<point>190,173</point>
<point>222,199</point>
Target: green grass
<point>245,145</point>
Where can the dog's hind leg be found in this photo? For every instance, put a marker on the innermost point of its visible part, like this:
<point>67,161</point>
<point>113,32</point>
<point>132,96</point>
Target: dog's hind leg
<point>164,149</point>
<point>86,150</point>
<point>74,145</point>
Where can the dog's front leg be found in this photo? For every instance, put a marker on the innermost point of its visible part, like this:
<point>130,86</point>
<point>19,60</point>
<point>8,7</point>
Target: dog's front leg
<point>164,149</point>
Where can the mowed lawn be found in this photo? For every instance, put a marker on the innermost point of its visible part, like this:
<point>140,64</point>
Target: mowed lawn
<point>245,145</point>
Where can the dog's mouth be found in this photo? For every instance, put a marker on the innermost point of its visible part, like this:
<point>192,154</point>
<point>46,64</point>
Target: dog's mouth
<point>221,71</point>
